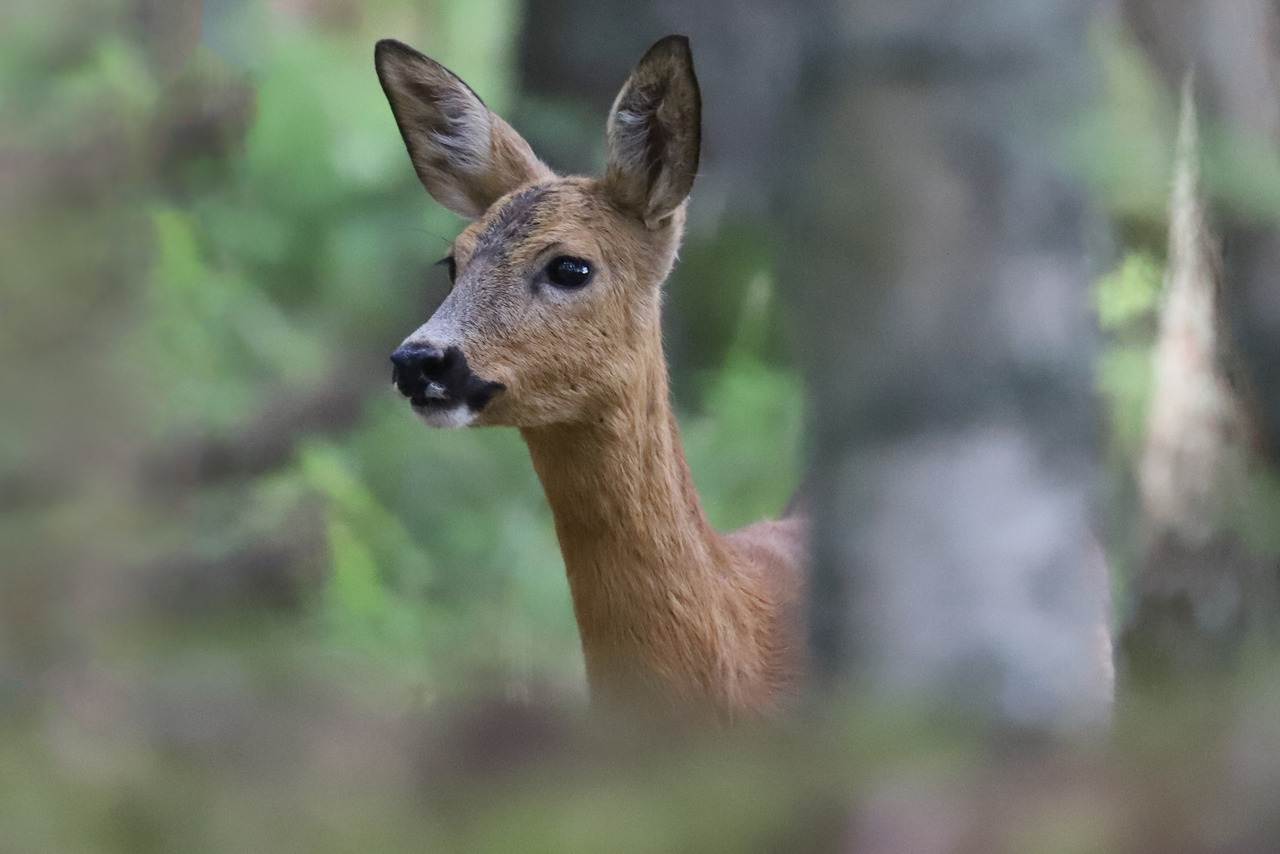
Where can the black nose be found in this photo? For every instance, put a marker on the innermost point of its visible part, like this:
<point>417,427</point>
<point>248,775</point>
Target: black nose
<point>435,378</point>
<point>415,357</point>
<point>418,370</point>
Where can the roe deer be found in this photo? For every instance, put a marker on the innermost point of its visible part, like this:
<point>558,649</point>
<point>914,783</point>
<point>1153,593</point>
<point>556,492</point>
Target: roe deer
<point>552,326</point>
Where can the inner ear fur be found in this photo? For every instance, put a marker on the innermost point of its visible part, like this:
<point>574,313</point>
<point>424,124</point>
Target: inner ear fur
<point>465,155</point>
<point>655,133</point>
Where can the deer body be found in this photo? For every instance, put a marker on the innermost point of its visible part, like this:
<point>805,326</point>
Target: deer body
<point>553,327</point>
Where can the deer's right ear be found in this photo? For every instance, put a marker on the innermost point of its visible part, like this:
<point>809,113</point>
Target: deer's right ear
<point>465,155</point>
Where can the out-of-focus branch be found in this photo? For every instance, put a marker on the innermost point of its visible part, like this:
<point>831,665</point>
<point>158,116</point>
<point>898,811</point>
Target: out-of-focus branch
<point>1232,49</point>
<point>1200,591</point>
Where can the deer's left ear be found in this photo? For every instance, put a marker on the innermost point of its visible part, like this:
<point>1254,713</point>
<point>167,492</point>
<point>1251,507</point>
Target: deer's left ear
<point>465,155</point>
<point>655,132</point>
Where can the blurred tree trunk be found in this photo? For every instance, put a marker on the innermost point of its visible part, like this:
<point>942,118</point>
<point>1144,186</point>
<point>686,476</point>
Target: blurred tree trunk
<point>1203,590</point>
<point>935,255</point>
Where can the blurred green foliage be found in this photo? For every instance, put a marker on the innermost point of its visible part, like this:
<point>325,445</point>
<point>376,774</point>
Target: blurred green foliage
<point>1128,298</point>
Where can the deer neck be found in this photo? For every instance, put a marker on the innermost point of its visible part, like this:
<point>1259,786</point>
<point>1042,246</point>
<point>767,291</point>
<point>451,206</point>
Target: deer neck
<point>645,567</point>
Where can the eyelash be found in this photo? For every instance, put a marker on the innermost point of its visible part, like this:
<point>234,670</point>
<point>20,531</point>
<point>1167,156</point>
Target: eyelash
<point>451,265</point>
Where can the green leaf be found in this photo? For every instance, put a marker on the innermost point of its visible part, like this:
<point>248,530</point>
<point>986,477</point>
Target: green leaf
<point>1130,292</point>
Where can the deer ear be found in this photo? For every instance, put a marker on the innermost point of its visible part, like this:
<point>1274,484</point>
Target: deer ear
<point>655,132</point>
<point>465,156</point>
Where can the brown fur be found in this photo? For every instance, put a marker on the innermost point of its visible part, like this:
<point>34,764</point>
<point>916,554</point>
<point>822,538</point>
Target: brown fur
<point>672,614</point>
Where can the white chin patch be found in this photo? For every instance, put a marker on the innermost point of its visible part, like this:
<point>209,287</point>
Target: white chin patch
<point>455,416</point>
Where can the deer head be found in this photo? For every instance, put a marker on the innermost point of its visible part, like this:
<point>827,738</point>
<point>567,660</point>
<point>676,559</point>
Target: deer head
<point>554,311</point>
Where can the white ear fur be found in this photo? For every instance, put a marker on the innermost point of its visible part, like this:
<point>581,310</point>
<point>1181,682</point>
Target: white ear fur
<point>655,130</point>
<point>465,155</point>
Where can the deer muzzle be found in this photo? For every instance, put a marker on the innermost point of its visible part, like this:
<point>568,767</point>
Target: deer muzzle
<point>439,384</point>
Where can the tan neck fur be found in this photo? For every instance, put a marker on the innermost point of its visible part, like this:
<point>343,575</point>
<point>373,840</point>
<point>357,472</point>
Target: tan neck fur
<point>666,614</point>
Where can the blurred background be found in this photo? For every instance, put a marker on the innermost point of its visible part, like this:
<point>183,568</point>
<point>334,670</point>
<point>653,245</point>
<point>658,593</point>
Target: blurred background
<point>248,602</point>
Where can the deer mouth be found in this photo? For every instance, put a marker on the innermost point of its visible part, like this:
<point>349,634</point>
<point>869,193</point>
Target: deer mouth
<point>440,386</point>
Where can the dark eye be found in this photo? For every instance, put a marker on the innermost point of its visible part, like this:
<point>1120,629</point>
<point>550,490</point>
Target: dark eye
<point>568,272</point>
<point>450,265</point>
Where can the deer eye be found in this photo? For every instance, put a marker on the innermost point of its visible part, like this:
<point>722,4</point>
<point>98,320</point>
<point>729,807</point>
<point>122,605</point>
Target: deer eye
<point>452,266</point>
<point>566,271</point>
